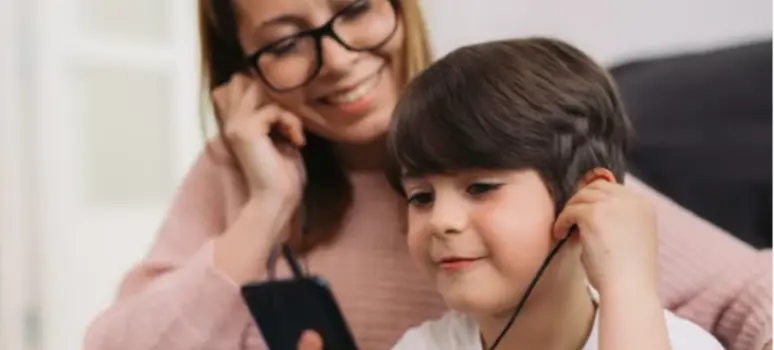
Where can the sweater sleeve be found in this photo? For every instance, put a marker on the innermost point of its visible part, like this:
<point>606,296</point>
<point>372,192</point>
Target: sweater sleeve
<point>710,277</point>
<point>175,299</point>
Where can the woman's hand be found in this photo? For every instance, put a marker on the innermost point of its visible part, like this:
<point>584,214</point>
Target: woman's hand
<point>264,137</point>
<point>265,140</point>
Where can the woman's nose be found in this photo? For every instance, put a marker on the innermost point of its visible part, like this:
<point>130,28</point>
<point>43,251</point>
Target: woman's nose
<point>336,58</point>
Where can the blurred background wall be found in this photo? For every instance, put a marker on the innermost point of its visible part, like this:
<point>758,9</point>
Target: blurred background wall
<point>99,121</point>
<point>610,30</point>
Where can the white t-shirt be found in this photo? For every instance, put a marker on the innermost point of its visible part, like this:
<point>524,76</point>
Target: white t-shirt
<point>457,331</point>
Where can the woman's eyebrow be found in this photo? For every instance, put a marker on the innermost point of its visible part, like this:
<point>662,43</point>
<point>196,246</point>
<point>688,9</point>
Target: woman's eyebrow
<point>279,20</point>
<point>282,19</point>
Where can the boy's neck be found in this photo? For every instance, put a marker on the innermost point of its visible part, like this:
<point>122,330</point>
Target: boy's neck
<point>561,318</point>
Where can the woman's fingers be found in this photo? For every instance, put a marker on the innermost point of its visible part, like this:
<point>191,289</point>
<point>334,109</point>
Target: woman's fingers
<point>291,128</point>
<point>240,99</point>
<point>239,96</point>
<point>310,340</point>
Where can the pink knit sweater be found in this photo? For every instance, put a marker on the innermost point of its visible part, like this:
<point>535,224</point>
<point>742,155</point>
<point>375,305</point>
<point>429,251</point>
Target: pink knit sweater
<point>176,300</point>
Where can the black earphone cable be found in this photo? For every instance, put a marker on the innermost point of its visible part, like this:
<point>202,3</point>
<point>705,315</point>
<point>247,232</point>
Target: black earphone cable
<point>291,259</point>
<point>298,273</point>
<point>530,288</point>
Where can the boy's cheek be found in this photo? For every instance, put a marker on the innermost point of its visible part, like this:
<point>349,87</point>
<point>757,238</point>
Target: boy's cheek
<point>418,248</point>
<point>518,260</point>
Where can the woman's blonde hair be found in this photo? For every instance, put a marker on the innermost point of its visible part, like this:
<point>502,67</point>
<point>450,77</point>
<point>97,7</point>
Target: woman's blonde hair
<point>328,194</point>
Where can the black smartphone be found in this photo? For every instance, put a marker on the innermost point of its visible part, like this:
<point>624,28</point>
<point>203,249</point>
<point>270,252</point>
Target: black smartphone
<point>283,309</point>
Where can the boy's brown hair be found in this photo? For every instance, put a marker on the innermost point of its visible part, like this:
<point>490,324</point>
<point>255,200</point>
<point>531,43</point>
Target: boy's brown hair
<point>518,104</point>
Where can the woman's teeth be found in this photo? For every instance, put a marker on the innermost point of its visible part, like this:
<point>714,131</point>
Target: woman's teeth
<point>354,94</point>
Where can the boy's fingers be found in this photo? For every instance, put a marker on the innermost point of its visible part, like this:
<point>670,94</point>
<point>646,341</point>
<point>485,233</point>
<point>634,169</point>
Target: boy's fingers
<point>571,215</point>
<point>587,195</point>
<point>602,185</point>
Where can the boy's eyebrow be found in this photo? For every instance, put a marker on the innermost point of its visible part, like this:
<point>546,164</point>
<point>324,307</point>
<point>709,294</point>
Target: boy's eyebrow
<point>408,180</point>
<point>414,175</point>
<point>410,177</point>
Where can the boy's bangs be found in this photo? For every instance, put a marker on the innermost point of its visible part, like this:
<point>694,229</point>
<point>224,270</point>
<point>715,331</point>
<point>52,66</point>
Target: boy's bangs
<point>437,136</point>
<point>430,145</point>
<point>458,115</point>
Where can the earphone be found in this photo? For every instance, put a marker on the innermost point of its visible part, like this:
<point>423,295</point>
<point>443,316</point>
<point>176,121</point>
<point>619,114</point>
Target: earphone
<point>540,271</point>
<point>531,287</point>
<point>286,252</point>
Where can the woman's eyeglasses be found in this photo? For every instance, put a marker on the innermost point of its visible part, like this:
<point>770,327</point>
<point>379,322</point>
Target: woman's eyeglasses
<point>294,61</point>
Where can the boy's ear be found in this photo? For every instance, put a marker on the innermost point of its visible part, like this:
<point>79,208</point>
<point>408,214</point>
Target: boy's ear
<point>596,174</point>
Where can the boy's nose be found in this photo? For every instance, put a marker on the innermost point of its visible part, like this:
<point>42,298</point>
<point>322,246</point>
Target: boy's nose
<point>448,217</point>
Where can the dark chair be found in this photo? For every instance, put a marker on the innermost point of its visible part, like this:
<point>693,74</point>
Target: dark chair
<point>703,124</point>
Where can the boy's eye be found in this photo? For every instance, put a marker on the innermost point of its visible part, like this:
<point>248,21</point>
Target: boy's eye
<point>420,198</point>
<point>480,188</point>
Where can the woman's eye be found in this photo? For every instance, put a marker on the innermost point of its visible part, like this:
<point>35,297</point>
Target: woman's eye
<point>357,8</point>
<point>420,198</point>
<point>480,188</point>
<point>283,46</point>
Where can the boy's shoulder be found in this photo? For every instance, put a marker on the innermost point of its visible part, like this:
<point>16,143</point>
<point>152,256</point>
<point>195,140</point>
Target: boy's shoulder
<point>457,331</point>
<point>452,331</point>
<point>684,334</point>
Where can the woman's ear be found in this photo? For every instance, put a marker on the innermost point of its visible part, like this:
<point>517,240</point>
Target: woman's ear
<point>596,174</point>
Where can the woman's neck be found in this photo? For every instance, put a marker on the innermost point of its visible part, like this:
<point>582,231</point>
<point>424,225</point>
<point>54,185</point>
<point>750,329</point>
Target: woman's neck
<point>362,157</point>
<point>562,319</point>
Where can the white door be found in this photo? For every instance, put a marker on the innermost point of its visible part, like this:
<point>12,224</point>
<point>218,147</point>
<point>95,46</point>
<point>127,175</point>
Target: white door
<point>14,189</point>
<point>115,128</point>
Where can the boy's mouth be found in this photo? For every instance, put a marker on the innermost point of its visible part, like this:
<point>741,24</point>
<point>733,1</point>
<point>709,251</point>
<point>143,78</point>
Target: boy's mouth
<point>457,263</point>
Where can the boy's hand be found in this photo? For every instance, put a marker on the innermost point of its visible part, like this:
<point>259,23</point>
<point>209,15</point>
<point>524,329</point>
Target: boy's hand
<point>617,233</point>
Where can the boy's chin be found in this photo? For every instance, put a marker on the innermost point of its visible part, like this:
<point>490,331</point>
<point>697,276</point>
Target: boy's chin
<point>477,303</point>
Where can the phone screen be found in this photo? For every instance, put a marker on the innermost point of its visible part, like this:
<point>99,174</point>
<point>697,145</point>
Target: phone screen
<point>283,309</point>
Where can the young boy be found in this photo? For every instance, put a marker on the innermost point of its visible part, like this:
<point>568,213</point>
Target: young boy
<point>502,149</point>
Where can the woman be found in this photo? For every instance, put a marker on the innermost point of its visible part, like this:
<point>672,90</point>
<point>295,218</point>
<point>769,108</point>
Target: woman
<point>337,67</point>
